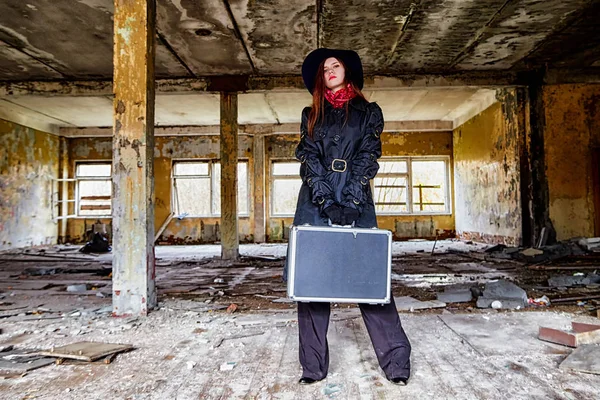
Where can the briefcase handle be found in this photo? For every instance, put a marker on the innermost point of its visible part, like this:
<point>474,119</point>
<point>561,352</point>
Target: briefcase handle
<point>340,226</point>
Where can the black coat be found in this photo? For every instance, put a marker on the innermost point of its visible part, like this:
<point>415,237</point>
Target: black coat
<point>357,141</point>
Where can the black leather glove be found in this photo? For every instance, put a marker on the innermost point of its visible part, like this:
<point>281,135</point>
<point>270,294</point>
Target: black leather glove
<point>335,214</point>
<point>350,215</point>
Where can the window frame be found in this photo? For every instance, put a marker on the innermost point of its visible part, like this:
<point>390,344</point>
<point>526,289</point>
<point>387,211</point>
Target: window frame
<point>272,178</point>
<point>212,183</point>
<point>409,185</point>
<point>91,178</point>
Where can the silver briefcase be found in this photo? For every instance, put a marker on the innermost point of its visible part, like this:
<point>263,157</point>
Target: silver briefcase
<point>339,264</point>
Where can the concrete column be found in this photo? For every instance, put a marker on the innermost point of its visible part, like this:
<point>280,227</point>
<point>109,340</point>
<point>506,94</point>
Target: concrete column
<point>259,189</point>
<point>539,192</point>
<point>134,291</point>
<point>229,160</point>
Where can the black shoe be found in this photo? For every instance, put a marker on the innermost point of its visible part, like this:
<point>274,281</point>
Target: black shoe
<point>307,381</point>
<point>399,381</point>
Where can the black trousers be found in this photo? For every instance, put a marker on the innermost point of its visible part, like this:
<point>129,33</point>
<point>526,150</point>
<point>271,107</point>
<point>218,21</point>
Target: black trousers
<point>383,324</point>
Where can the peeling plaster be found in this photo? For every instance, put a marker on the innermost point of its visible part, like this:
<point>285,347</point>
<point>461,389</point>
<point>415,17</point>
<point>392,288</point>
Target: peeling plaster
<point>486,175</point>
<point>572,129</point>
<point>27,159</point>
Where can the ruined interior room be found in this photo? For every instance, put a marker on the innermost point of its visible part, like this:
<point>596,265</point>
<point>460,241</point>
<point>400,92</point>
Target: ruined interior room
<point>148,183</point>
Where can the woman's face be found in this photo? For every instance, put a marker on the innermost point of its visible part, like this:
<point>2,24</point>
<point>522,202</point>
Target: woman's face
<point>334,74</point>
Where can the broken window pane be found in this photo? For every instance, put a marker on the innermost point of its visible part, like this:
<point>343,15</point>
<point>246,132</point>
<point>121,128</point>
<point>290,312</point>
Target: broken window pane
<point>390,194</point>
<point>386,167</point>
<point>285,187</point>
<point>94,189</point>
<point>190,168</point>
<point>286,168</point>
<point>429,186</point>
<point>199,196</point>
<point>93,170</point>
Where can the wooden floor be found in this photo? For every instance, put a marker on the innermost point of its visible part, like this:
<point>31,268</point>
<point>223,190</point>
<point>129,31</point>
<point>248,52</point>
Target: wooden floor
<point>180,355</point>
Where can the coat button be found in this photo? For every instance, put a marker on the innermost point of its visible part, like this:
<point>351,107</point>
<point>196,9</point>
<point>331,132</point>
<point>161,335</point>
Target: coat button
<point>336,138</point>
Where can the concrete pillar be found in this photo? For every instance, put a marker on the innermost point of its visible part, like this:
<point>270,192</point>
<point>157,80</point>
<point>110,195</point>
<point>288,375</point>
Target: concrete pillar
<point>134,291</point>
<point>259,189</point>
<point>229,159</point>
<point>539,192</point>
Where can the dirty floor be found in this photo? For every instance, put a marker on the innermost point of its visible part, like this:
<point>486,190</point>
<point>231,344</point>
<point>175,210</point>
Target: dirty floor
<point>192,348</point>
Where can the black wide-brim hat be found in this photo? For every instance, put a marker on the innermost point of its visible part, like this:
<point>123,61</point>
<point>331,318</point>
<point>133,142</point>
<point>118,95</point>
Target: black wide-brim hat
<point>351,59</point>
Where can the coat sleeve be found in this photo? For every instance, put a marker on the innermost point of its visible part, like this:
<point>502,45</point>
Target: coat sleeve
<point>312,170</point>
<point>364,165</point>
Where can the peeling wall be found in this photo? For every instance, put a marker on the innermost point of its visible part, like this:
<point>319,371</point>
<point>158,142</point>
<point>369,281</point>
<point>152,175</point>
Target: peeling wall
<point>571,133</point>
<point>487,175</point>
<point>393,144</point>
<point>27,159</point>
<point>188,230</point>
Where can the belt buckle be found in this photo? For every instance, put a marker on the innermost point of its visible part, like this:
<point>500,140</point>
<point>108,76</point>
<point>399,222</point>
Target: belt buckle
<point>338,169</point>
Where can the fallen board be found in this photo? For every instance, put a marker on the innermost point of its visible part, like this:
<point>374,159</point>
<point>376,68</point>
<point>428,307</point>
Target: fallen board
<point>21,361</point>
<point>585,358</point>
<point>87,351</point>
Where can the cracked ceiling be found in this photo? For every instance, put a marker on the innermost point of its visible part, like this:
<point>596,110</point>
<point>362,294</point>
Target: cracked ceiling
<point>72,39</point>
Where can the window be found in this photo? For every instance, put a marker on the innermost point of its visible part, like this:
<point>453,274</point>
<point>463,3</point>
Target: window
<point>285,186</point>
<point>412,185</point>
<point>197,188</point>
<point>93,189</point>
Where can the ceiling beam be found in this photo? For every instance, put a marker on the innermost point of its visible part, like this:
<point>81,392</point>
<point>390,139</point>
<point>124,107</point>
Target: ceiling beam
<point>246,83</point>
<point>255,129</point>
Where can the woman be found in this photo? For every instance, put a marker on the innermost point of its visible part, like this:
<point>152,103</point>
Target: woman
<point>339,147</point>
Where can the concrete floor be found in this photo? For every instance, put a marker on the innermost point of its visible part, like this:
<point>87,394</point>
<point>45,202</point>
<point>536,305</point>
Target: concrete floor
<point>179,355</point>
<point>184,349</point>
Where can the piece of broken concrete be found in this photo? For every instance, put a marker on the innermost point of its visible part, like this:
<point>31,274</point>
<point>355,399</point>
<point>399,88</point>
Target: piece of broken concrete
<point>590,244</point>
<point>77,288</point>
<point>407,303</point>
<point>455,295</point>
<point>531,252</point>
<point>507,293</point>
<point>585,358</point>
<point>574,280</point>
<point>228,366</point>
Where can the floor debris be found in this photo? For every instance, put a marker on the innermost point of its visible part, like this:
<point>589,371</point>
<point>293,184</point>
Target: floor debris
<point>407,303</point>
<point>580,334</point>
<point>585,358</point>
<point>87,351</point>
<point>502,292</point>
<point>20,361</point>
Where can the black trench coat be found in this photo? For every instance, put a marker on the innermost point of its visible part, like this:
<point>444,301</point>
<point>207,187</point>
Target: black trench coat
<point>357,143</point>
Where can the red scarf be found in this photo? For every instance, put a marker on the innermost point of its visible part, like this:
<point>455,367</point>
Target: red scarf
<point>339,98</point>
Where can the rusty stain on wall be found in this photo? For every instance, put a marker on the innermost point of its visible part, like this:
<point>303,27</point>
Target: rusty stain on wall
<point>572,129</point>
<point>486,174</point>
<point>28,158</point>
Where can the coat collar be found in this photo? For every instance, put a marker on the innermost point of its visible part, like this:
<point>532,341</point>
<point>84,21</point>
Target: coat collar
<point>356,102</point>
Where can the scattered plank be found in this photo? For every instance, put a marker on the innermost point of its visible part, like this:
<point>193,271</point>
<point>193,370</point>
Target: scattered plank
<point>578,298</point>
<point>21,361</point>
<point>87,351</point>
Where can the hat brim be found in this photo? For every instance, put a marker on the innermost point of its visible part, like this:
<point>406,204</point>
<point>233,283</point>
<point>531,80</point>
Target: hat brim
<point>350,58</point>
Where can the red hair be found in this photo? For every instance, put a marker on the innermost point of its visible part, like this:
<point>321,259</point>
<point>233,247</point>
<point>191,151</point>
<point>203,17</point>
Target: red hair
<point>318,104</point>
